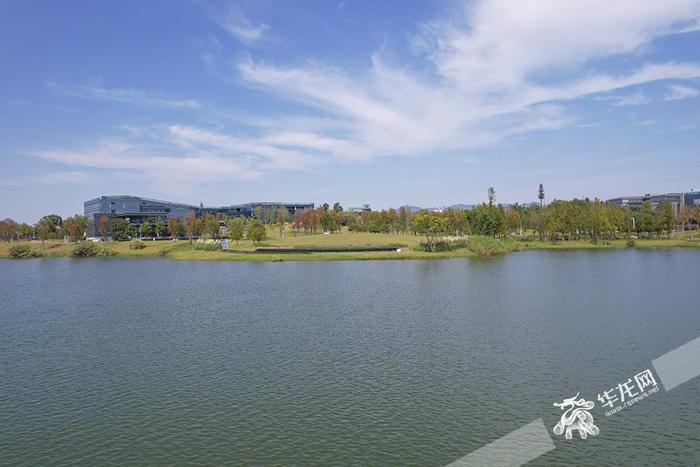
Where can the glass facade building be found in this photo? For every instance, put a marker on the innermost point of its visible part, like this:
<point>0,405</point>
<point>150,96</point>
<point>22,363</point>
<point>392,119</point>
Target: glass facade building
<point>679,201</point>
<point>138,210</point>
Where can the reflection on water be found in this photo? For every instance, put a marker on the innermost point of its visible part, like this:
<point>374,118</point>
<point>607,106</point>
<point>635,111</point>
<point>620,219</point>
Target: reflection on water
<point>381,363</point>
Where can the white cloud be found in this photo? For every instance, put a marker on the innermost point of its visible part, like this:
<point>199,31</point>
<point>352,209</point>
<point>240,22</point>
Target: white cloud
<point>179,155</point>
<point>488,75</point>
<point>676,92</point>
<point>648,123</point>
<point>637,98</point>
<point>121,155</point>
<point>498,69</point>
<point>236,24</point>
<point>125,95</point>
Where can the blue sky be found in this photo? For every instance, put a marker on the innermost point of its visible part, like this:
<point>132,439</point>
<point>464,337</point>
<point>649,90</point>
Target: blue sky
<point>389,103</point>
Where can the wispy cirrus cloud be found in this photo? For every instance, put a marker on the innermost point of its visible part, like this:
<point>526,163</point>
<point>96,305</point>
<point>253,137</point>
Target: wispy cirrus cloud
<point>677,92</point>
<point>637,98</point>
<point>177,156</point>
<point>232,20</point>
<point>124,95</point>
<point>496,70</point>
<point>483,76</point>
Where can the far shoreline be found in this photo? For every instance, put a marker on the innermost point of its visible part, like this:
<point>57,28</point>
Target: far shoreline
<point>183,250</point>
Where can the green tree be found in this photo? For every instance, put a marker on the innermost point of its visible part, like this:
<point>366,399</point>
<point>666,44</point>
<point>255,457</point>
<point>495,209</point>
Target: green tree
<point>599,223</point>
<point>337,207</point>
<point>256,231</point>
<point>210,224</point>
<point>52,224</point>
<point>120,229</point>
<point>432,226</point>
<point>25,231</point>
<point>146,228</point>
<point>198,227</point>
<point>161,229</point>
<point>328,222</point>
<point>645,219</point>
<point>405,219</point>
<point>666,218</point>
<point>487,219</point>
<point>514,219</point>
<point>236,228</point>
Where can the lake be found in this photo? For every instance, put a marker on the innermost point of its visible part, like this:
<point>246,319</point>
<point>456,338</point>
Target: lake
<point>154,361</point>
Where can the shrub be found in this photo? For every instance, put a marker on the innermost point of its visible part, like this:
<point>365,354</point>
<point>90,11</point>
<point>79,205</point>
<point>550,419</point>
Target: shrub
<point>164,251</point>
<point>106,251</point>
<point>136,245</point>
<point>23,252</point>
<point>443,245</point>
<point>85,249</point>
<point>631,243</point>
<point>490,246</point>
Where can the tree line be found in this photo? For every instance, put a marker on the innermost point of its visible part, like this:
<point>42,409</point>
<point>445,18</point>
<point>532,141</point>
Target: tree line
<point>51,226</point>
<point>558,220</point>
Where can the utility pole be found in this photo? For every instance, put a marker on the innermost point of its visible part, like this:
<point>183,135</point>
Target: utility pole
<point>540,195</point>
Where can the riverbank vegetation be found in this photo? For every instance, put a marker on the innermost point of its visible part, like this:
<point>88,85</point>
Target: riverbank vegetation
<point>334,233</point>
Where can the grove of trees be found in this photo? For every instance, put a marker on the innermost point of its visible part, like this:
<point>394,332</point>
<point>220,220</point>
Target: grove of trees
<point>578,219</point>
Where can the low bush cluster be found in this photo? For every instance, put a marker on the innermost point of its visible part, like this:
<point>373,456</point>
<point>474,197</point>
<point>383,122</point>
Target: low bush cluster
<point>213,246</point>
<point>89,249</point>
<point>478,244</point>
<point>137,245</point>
<point>23,251</point>
<point>85,249</point>
<point>490,246</point>
<point>443,245</point>
<point>106,251</point>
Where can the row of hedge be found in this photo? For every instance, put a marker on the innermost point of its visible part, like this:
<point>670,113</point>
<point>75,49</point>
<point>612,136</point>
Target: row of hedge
<point>477,244</point>
<point>85,249</point>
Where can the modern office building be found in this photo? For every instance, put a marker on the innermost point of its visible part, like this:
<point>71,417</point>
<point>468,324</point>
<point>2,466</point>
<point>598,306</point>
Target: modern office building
<point>137,210</point>
<point>679,201</point>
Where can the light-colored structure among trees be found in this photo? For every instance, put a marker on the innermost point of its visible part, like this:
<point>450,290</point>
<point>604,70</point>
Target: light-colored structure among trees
<point>137,210</point>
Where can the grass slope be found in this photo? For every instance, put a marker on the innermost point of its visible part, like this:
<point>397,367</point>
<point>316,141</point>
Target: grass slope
<point>477,246</point>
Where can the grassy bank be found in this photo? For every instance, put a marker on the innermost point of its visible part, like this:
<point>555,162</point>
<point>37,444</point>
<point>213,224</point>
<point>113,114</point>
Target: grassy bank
<point>409,245</point>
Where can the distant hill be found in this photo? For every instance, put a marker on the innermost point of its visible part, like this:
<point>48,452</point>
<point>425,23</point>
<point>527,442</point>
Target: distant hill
<point>462,206</point>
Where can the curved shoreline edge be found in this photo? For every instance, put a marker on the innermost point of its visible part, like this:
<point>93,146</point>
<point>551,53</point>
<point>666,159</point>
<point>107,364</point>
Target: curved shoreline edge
<point>186,252</point>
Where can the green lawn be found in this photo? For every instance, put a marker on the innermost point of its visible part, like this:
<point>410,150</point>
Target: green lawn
<point>183,250</point>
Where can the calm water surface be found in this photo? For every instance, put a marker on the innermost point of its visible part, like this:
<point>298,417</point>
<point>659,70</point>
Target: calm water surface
<point>337,363</point>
